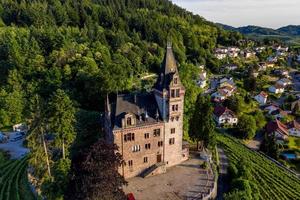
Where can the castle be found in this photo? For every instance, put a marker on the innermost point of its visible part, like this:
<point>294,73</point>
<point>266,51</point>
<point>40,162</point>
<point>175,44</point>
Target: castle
<point>148,127</point>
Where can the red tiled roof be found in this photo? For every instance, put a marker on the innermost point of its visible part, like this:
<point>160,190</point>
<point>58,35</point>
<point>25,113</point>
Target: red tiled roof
<point>277,126</point>
<point>220,110</point>
<point>264,94</point>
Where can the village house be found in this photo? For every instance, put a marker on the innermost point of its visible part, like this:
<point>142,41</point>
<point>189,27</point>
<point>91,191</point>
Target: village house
<point>249,54</point>
<point>295,106</point>
<point>284,82</point>
<point>270,64</point>
<point>148,127</point>
<point>262,66</point>
<point>276,89</point>
<point>294,128</point>
<point>226,89</point>
<point>278,129</point>
<point>259,49</point>
<point>224,116</point>
<point>220,56</point>
<point>272,59</point>
<point>233,54</point>
<point>270,108</point>
<point>261,98</point>
<point>281,72</point>
<point>228,67</point>
<point>202,81</point>
<point>279,114</point>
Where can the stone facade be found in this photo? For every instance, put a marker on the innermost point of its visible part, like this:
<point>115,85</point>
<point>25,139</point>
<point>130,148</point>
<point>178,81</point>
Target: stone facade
<point>148,128</point>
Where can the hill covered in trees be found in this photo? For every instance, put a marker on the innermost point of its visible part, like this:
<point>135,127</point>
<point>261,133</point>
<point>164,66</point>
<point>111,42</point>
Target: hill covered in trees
<point>59,59</point>
<point>290,33</point>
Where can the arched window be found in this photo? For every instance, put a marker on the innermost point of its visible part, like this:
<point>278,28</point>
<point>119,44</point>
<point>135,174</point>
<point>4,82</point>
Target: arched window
<point>129,122</point>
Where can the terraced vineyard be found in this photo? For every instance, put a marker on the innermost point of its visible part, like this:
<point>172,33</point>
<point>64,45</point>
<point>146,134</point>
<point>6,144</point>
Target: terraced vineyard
<point>13,180</point>
<point>273,182</point>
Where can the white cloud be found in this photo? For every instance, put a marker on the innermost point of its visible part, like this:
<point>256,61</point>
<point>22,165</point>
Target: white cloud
<point>268,13</point>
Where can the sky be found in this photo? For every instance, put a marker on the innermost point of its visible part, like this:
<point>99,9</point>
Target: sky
<point>266,13</point>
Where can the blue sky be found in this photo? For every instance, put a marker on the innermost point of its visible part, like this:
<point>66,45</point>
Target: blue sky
<point>267,13</point>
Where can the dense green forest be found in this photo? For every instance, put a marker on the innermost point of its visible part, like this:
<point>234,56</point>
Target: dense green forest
<point>59,59</point>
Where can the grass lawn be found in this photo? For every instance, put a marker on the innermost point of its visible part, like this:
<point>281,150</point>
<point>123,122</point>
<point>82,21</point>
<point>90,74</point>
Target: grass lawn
<point>294,143</point>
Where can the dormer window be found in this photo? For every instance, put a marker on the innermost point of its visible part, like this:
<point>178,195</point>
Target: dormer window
<point>129,120</point>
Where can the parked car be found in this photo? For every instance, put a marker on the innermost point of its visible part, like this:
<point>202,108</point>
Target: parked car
<point>130,196</point>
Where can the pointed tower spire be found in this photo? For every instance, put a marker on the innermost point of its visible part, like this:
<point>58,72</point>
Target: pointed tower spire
<point>168,69</point>
<point>169,64</point>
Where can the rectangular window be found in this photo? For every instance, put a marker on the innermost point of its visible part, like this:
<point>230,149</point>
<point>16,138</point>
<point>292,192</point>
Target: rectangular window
<point>145,159</point>
<point>129,137</point>
<point>171,141</point>
<point>147,135</point>
<point>172,130</point>
<point>156,132</point>
<point>177,92</point>
<point>147,146</point>
<point>160,143</point>
<point>130,163</point>
<point>174,107</point>
<point>172,93</point>
<point>136,148</point>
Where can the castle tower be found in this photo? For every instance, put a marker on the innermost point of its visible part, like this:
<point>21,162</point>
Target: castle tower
<point>169,94</point>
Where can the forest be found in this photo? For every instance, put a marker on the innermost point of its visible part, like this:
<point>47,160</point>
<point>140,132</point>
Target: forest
<point>60,58</point>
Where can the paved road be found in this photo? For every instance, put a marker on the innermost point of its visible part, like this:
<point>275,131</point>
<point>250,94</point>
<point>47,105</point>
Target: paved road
<point>223,185</point>
<point>15,149</point>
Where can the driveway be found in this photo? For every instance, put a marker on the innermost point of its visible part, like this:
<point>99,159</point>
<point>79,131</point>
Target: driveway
<point>184,181</point>
<point>15,149</point>
<point>223,185</point>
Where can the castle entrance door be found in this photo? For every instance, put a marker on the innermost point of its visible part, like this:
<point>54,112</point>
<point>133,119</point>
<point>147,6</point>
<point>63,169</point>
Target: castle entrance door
<point>158,158</point>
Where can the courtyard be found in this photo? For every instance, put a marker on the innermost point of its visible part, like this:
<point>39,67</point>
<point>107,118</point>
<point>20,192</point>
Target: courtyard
<point>185,181</point>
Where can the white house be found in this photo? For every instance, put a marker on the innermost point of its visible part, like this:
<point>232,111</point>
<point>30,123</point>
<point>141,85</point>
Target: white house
<point>220,56</point>
<point>261,98</point>
<point>223,115</point>
<point>276,89</point>
<point>202,81</point>
<point>249,54</point>
<point>294,128</point>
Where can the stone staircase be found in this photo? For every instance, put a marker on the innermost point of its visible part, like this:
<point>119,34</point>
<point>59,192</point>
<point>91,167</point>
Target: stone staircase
<point>158,168</point>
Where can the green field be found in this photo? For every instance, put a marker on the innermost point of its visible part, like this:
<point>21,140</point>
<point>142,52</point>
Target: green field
<point>13,180</point>
<point>273,182</point>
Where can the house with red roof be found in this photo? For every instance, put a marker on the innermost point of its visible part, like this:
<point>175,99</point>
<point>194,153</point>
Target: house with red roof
<point>223,115</point>
<point>279,129</point>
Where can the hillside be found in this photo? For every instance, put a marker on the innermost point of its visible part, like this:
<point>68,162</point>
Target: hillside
<point>290,34</point>
<point>272,181</point>
<point>73,53</point>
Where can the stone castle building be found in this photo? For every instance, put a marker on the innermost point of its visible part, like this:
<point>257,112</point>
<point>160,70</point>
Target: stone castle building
<point>148,127</point>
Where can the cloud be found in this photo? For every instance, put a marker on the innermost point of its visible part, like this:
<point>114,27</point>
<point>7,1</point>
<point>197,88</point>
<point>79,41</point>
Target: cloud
<point>269,13</point>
